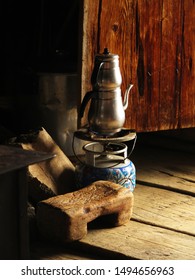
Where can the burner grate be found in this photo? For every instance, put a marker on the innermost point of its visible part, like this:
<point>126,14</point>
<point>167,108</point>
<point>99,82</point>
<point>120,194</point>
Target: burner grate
<point>123,135</point>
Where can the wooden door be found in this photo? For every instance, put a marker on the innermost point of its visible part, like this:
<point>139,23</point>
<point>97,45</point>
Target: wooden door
<point>155,41</point>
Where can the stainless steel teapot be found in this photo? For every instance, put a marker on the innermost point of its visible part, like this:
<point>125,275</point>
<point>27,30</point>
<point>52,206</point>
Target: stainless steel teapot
<point>106,73</point>
<point>106,114</point>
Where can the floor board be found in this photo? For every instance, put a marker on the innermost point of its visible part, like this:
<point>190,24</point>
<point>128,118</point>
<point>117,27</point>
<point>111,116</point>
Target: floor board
<point>163,221</point>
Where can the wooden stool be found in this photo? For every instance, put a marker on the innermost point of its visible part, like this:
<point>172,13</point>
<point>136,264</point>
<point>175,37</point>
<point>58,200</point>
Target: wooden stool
<point>64,217</point>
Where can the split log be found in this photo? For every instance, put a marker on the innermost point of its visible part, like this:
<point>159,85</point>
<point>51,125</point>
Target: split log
<point>51,177</point>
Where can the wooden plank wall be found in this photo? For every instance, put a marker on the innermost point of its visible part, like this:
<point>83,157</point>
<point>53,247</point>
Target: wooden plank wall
<point>154,40</point>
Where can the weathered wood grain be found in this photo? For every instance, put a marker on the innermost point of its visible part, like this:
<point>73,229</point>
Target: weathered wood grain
<point>165,209</point>
<point>65,218</point>
<point>89,46</point>
<point>187,107</point>
<point>162,227</point>
<point>180,140</point>
<point>148,39</point>
<point>141,241</point>
<point>170,64</point>
<point>58,174</point>
<point>154,40</point>
<point>165,168</point>
<point>163,222</point>
<point>45,251</point>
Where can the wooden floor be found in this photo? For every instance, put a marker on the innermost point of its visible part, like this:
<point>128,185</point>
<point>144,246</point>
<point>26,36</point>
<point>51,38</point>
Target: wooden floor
<point>163,221</point>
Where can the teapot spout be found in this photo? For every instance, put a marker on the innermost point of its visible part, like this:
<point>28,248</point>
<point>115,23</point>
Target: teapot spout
<point>126,96</point>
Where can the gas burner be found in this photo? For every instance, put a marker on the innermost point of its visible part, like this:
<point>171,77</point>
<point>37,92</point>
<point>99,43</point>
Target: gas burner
<point>106,161</point>
<point>125,134</point>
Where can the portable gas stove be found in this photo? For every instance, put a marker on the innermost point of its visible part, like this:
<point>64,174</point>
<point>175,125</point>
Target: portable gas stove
<point>106,158</point>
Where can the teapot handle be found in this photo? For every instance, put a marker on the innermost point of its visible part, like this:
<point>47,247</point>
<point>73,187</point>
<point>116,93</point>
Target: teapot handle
<point>95,74</point>
<point>84,103</point>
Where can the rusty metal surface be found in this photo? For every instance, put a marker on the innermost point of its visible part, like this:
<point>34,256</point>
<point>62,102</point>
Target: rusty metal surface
<point>13,158</point>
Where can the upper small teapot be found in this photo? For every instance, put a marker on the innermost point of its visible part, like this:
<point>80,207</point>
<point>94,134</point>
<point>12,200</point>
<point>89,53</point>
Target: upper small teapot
<point>106,73</point>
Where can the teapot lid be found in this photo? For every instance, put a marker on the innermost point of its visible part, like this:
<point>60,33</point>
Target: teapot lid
<point>106,55</point>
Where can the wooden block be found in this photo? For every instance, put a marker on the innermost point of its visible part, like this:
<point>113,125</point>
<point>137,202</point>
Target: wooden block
<point>65,217</point>
<point>49,178</point>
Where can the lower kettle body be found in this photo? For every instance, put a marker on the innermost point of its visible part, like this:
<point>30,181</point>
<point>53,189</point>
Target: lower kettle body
<point>106,115</point>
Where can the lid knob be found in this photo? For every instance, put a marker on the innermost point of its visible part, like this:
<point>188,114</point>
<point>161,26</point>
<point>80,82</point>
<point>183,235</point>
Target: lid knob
<point>106,51</point>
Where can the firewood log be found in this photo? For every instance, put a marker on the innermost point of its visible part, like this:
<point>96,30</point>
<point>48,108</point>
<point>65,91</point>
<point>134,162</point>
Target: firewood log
<point>51,177</point>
